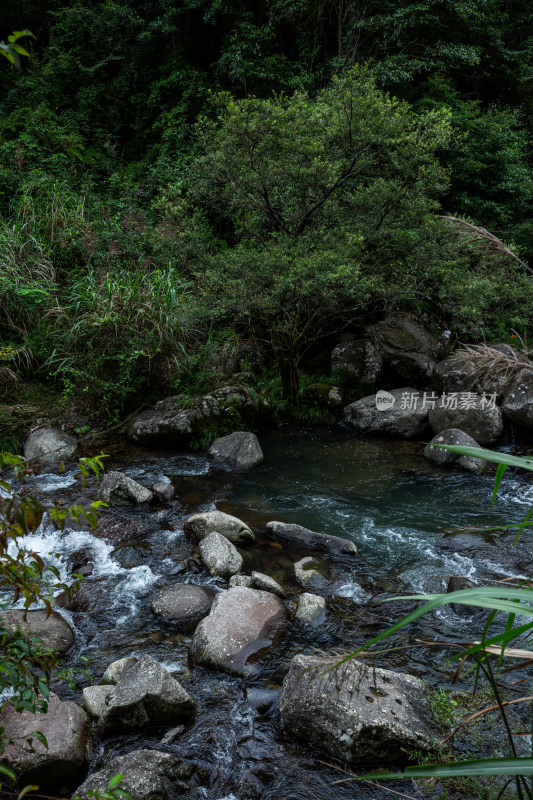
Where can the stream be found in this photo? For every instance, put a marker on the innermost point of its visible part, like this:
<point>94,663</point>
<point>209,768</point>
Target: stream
<point>407,517</point>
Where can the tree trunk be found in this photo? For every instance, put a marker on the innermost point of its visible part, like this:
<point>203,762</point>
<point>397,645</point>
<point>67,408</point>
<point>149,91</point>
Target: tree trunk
<point>290,380</point>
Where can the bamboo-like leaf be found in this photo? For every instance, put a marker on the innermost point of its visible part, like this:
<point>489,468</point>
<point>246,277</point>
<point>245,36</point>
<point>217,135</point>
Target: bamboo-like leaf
<point>524,462</point>
<point>114,781</point>
<point>473,767</point>
<point>497,480</point>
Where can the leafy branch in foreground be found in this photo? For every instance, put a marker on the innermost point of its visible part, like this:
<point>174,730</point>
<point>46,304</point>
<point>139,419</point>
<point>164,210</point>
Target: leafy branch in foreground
<point>26,665</point>
<point>515,602</point>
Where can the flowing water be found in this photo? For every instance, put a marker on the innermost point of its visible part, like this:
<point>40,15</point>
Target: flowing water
<point>406,517</point>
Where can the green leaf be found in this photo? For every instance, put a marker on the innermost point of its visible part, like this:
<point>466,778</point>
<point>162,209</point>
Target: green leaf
<point>8,773</point>
<point>18,35</point>
<point>523,462</point>
<point>497,480</point>
<point>40,738</point>
<point>114,781</point>
<point>473,767</point>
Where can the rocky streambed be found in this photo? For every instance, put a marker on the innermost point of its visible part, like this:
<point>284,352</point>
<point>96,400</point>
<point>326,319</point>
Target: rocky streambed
<point>224,604</point>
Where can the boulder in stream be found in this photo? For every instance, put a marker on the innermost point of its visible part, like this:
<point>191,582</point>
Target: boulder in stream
<point>148,775</point>
<point>66,728</point>
<point>220,556</point>
<point>201,525</point>
<point>400,412</point>
<point>311,609</point>
<point>117,489</point>
<point>115,670</point>
<point>53,630</point>
<point>268,584</point>
<point>240,450</point>
<point>311,572</point>
<point>145,694</point>
<point>360,714</point>
<point>93,699</point>
<point>450,436</point>
<point>49,446</point>
<point>183,604</point>
<point>169,423</point>
<point>164,492</point>
<point>471,413</point>
<point>300,537</point>
<point>242,625</point>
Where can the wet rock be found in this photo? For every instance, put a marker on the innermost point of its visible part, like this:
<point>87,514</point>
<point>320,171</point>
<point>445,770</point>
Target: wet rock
<point>518,402</point>
<point>357,713</point>
<point>184,604</point>
<point>450,436</point>
<point>406,346</point>
<point>201,525</point>
<point>169,424</point>
<point>262,700</point>
<point>54,631</point>
<point>473,414</point>
<point>311,609</point>
<point>404,414</point>
<point>145,694</point>
<point>49,446</point>
<point>93,699</point>
<point>131,554</point>
<point>239,450</point>
<point>242,625</point>
<point>311,572</point>
<point>240,580</point>
<point>117,489</point>
<point>220,556</point>
<point>66,728</point>
<point>474,465</point>
<point>75,599</point>
<point>148,775</point>
<point>115,670</point>
<point>261,581</point>
<point>298,536</point>
<point>360,358</point>
<point>457,583</point>
<point>164,492</point>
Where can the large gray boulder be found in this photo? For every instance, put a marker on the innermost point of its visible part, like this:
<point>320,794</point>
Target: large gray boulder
<point>518,402</point>
<point>298,536</point>
<point>400,412</point>
<point>406,346</point>
<point>239,450</point>
<point>220,556</point>
<point>358,713</point>
<point>148,775</point>
<point>49,446</point>
<point>117,489</point>
<point>145,694</point>
<point>53,630</point>
<point>361,358</point>
<point>168,423</point>
<point>451,436</point>
<point>201,525</point>
<point>184,604</point>
<point>66,728</point>
<point>243,623</point>
<point>471,413</point>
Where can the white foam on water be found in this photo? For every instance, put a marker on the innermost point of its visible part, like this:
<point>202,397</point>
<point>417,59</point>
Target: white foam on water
<point>51,482</point>
<point>353,591</point>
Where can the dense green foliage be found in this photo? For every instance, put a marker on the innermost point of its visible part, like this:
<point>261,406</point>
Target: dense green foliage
<point>171,171</point>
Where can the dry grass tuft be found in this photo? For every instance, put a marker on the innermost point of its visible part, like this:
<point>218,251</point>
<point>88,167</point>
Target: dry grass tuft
<point>482,361</point>
<point>485,240</point>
